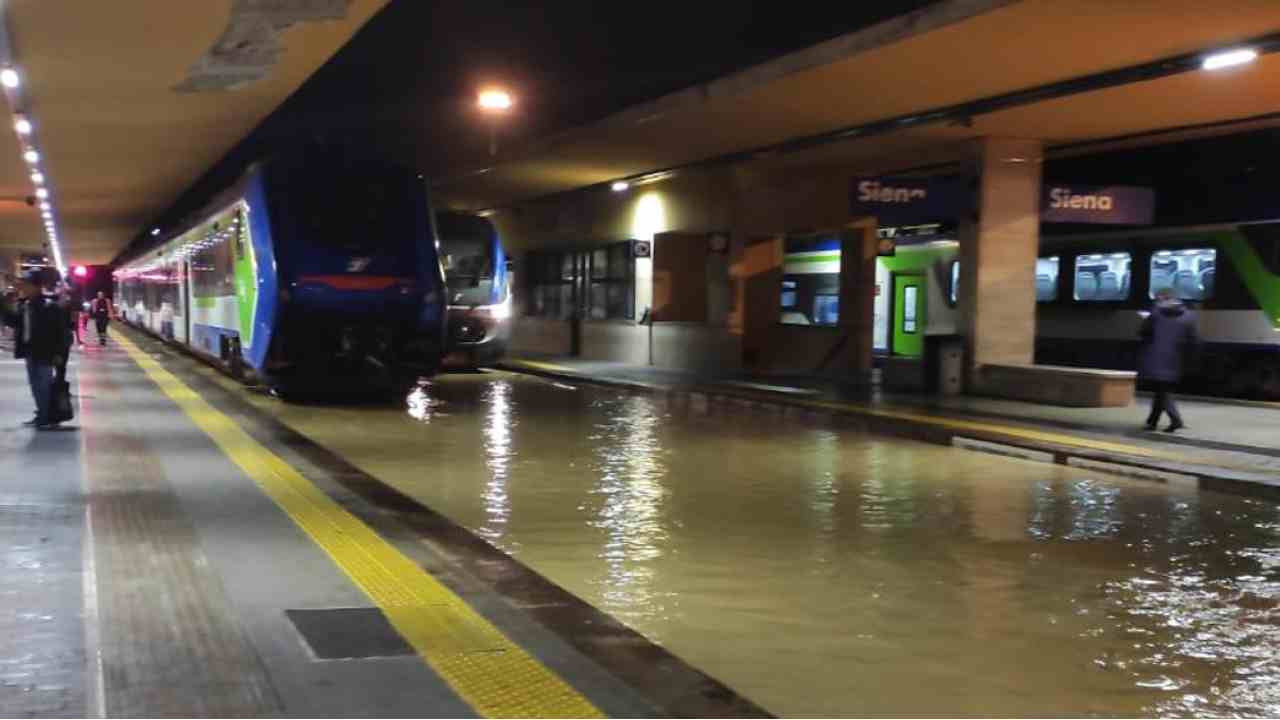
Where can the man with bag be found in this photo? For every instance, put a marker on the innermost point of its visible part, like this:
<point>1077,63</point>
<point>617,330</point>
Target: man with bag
<point>42,339</point>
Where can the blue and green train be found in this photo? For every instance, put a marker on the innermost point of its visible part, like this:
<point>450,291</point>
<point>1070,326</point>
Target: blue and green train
<point>303,271</point>
<point>1093,290</point>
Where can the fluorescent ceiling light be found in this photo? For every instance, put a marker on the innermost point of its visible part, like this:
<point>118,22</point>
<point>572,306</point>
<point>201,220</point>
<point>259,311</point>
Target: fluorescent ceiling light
<point>1228,58</point>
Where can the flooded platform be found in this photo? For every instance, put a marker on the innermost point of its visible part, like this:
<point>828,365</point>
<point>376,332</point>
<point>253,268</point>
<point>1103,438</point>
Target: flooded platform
<point>822,569</point>
<point>501,543</point>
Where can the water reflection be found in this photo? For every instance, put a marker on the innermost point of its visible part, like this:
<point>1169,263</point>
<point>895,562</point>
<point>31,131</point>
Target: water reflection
<point>822,570</point>
<point>630,492</point>
<point>422,405</point>
<point>500,424</point>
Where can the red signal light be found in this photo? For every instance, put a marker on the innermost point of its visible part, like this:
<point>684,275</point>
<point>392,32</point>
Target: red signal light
<point>80,271</point>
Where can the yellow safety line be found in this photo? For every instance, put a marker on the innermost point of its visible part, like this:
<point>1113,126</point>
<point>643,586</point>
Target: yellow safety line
<point>954,424</point>
<point>490,672</point>
<point>546,366</point>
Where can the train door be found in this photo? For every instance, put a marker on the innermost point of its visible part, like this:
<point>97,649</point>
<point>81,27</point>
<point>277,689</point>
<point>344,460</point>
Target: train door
<point>908,315</point>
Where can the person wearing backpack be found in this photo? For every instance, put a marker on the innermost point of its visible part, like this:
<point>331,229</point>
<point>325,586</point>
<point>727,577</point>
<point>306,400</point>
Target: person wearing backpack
<point>101,312</point>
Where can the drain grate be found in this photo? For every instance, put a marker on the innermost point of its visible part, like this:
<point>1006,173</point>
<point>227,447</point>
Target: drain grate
<point>348,633</point>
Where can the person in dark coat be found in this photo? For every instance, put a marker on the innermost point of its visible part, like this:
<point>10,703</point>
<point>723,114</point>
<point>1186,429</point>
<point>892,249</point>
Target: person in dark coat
<point>101,311</point>
<point>42,339</point>
<point>1168,337</point>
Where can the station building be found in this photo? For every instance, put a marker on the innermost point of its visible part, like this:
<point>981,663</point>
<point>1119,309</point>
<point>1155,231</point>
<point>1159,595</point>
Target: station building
<point>737,225</point>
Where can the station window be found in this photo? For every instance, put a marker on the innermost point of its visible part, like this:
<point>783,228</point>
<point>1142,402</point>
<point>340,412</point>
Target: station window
<point>810,293</point>
<point>599,282</point>
<point>1047,279</point>
<point>612,285</point>
<point>1103,277</point>
<point>1188,273</point>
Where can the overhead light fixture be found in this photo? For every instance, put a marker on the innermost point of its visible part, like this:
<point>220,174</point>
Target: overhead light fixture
<point>22,125</point>
<point>495,100</point>
<point>620,186</point>
<point>44,205</point>
<point>9,78</point>
<point>31,156</point>
<point>37,178</point>
<point>155,231</point>
<point>42,193</point>
<point>1229,58</point>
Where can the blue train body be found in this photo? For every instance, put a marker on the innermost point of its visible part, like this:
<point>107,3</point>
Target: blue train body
<point>300,272</point>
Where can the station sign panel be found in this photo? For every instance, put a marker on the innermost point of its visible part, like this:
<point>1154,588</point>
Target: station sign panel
<point>914,200</point>
<point>902,200</point>
<point>1098,204</point>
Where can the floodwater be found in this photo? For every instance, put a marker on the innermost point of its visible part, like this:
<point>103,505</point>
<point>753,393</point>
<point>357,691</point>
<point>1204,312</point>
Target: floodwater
<point>823,570</point>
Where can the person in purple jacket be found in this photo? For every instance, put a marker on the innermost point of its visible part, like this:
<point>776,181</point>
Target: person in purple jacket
<point>1168,337</point>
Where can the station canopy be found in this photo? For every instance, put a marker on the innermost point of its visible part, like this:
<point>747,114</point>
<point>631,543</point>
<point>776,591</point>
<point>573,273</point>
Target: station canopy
<point>131,101</point>
<point>1080,76</point>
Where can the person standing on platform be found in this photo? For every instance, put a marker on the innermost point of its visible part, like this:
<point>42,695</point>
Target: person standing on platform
<point>1168,336</point>
<point>42,339</point>
<point>101,311</point>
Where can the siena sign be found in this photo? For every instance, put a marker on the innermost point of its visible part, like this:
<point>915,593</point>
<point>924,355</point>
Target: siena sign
<point>906,200</point>
<point>1110,205</point>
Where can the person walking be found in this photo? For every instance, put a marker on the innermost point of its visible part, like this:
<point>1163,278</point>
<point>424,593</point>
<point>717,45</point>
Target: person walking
<point>101,311</point>
<point>1168,336</point>
<point>42,339</point>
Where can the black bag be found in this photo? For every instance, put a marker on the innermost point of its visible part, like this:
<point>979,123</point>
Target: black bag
<point>61,408</point>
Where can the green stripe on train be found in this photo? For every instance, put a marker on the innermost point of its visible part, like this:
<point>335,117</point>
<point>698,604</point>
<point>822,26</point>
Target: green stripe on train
<point>1262,284</point>
<point>246,278</point>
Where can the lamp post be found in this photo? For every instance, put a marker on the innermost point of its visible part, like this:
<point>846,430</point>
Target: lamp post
<point>494,103</point>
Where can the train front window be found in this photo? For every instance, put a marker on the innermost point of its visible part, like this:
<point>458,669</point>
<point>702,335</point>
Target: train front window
<point>1188,273</point>
<point>468,270</point>
<point>362,216</point>
<point>1103,277</point>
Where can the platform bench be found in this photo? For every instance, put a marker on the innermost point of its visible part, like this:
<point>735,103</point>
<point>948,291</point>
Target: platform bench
<point>1058,385</point>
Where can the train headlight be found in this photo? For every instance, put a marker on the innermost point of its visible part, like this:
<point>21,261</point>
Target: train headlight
<point>501,311</point>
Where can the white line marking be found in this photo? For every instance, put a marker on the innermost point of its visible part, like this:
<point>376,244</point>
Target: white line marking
<point>1141,473</point>
<point>97,701</point>
<point>1001,449</point>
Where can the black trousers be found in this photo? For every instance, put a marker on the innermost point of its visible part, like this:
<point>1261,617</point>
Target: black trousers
<point>102,328</point>
<point>1164,403</point>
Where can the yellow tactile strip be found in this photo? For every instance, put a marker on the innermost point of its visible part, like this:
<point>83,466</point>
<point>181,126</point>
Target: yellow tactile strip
<point>491,673</point>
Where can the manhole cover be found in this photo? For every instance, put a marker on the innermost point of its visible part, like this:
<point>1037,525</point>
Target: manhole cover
<point>348,633</point>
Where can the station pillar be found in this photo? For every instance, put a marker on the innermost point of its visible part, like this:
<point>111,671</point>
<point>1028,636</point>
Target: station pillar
<point>999,242</point>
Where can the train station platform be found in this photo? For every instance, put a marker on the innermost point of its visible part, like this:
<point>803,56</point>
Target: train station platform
<point>169,553</point>
<point>1228,445</point>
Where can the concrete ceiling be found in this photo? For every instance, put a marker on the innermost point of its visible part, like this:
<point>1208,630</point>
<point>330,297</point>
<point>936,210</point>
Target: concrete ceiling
<point>923,62</point>
<point>119,144</point>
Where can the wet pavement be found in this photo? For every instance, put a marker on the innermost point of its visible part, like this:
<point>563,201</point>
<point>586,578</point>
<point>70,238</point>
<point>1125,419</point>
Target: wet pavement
<point>820,569</point>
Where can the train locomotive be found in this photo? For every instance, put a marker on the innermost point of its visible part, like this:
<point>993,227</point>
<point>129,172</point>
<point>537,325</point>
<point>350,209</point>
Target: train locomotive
<point>304,271</point>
